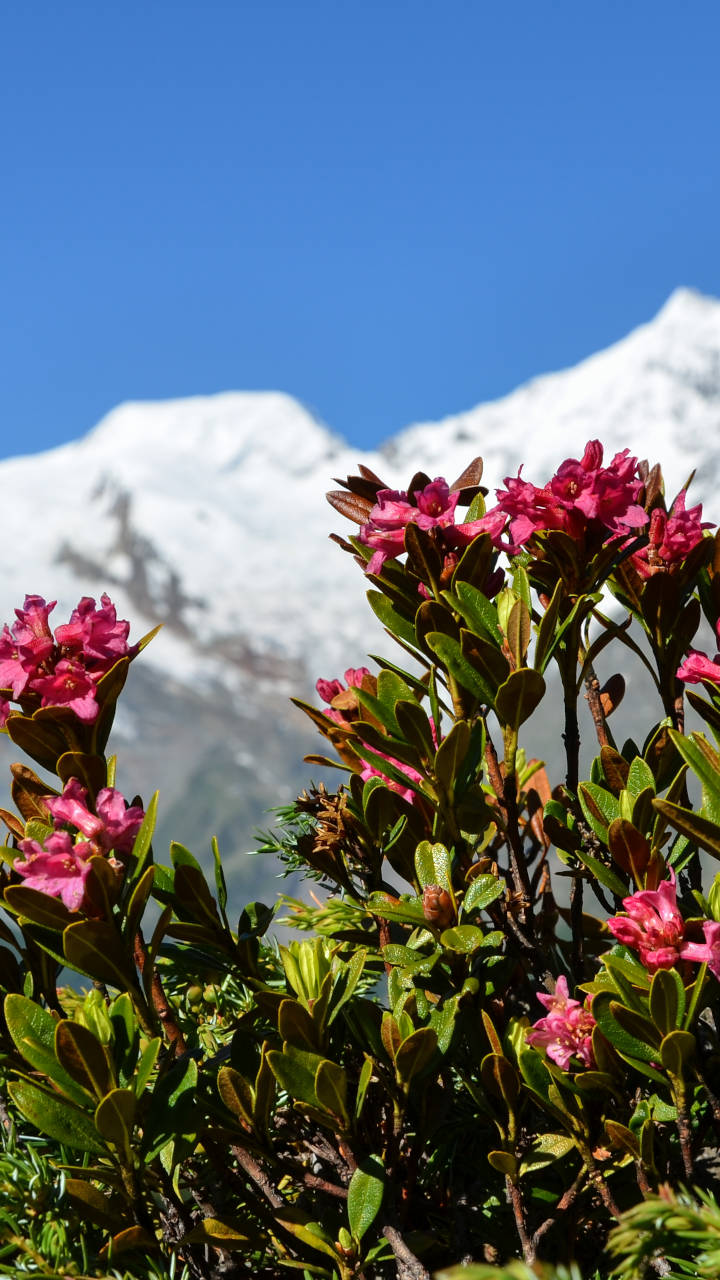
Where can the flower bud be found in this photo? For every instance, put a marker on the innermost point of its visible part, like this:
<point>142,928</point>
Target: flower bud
<point>438,906</point>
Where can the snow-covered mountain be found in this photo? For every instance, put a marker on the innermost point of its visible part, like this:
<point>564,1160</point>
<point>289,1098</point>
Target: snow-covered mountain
<point>208,514</point>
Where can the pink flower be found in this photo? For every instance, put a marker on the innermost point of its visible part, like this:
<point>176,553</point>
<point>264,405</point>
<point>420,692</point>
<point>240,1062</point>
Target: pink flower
<point>113,826</point>
<point>60,868</point>
<point>707,952</point>
<point>339,696</point>
<point>69,685</point>
<point>370,771</point>
<point>653,926</point>
<point>566,1031</point>
<point>697,666</point>
<point>433,508</point>
<point>95,634</point>
<point>671,536</point>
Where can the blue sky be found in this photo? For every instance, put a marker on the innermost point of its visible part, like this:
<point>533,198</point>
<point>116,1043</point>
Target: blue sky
<point>391,209</point>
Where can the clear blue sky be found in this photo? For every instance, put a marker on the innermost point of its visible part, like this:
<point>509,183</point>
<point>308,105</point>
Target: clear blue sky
<point>392,209</point>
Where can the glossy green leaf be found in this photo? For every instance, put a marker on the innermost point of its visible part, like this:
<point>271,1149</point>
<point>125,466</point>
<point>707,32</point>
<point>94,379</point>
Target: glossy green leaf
<point>115,1119</point>
<point>33,1031</point>
<point>667,1000</point>
<point>94,947</point>
<point>38,907</point>
<point>391,618</point>
<point>433,865</point>
<point>599,806</point>
<point>56,1117</point>
<point>519,696</point>
<point>703,833</point>
<point>415,1053</point>
<point>676,1051</point>
<point>83,1057</point>
<point>331,1090</point>
<point>365,1195</point>
<point>465,938</point>
<point>481,892</point>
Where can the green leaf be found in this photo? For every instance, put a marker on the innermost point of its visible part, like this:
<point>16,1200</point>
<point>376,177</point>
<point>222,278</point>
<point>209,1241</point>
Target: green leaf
<point>433,865</point>
<point>519,631</point>
<point>544,1150</point>
<point>504,1162</point>
<point>38,907</point>
<point>365,1195</point>
<point>600,808</point>
<point>363,1083</point>
<point>702,758</point>
<point>331,1090</point>
<point>93,947</point>
<point>500,1078</point>
<point>305,1230</point>
<point>667,1000</point>
<point>138,902</point>
<point>451,754</point>
<point>391,619</point>
<point>479,612</point>
<point>33,1031</point>
<point>236,1093</point>
<point>295,1072</point>
<point>547,630</point>
<point>676,1050</point>
<point>115,1119</point>
<point>55,1117</point>
<point>613,1020</point>
<point>83,1057</point>
<point>146,1063</point>
<point>640,776</point>
<point>449,652</point>
<point>604,875</point>
<point>481,891</point>
<point>143,839</point>
<point>296,1026</point>
<point>415,1053</point>
<point>519,696</point>
<point>173,1108</point>
<point>220,1234</point>
<point>464,938</point>
<point>102,1210</point>
<point>703,833</point>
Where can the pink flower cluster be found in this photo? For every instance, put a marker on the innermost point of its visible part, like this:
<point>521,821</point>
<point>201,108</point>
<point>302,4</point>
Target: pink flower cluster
<point>671,536</point>
<point>430,508</point>
<point>697,666</point>
<point>343,705</point>
<point>582,491</point>
<point>566,1031</point>
<point>655,929</point>
<point>61,866</point>
<point>39,668</point>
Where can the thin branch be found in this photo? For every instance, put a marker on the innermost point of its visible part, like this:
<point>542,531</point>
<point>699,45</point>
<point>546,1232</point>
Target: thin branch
<point>411,1268</point>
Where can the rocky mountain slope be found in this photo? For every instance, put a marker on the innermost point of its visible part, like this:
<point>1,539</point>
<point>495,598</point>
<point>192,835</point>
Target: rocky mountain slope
<point>208,515</point>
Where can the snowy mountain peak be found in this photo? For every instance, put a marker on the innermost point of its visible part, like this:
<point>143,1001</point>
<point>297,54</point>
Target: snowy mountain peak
<point>218,433</point>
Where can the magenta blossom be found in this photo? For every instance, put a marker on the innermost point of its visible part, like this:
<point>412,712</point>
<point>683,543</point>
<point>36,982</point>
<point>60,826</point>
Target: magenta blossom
<point>653,926</point>
<point>671,537</point>
<point>95,634</point>
<point>566,1031</point>
<point>707,952</point>
<point>59,868</point>
<point>111,827</point>
<point>68,685</point>
<point>432,507</point>
<point>339,696</point>
<point>697,666</point>
<point>581,492</point>
<point>60,670</point>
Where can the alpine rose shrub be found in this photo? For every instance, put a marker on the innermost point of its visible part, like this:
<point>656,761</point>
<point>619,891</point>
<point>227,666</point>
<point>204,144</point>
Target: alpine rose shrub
<point>492,1046</point>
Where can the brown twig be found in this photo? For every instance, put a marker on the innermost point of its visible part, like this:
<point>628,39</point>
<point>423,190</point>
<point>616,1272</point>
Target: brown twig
<point>163,1009</point>
<point>565,1202</point>
<point>594,701</point>
<point>410,1267</point>
<point>515,1198</point>
<point>257,1175</point>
